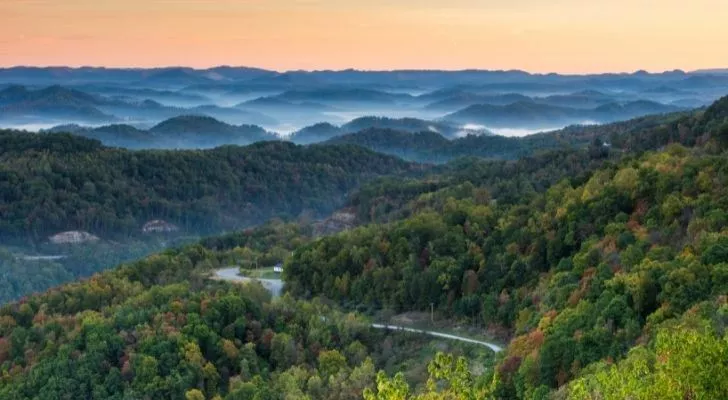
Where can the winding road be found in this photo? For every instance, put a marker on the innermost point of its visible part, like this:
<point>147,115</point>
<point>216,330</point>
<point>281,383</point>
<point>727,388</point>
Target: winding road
<point>489,345</point>
<point>275,286</point>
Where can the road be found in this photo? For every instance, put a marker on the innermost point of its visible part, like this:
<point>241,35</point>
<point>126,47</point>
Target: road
<point>275,286</point>
<point>40,258</point>
<point>489,345</point>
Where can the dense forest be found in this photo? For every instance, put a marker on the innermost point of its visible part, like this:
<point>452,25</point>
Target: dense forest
<point>574,277</point>
<point>433,147</point>
<point>24,274</point>
<point>160,329</point>
<point>180,132</point>
<point>604,268</point>
<point>51,183</point>
<point>55,182</point>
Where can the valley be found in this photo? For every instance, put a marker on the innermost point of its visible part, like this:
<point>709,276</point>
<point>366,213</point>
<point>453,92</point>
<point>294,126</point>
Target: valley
<point>121,106</point>
<point>363,200</point>
<point>548,265</point>
<point>275,287</point>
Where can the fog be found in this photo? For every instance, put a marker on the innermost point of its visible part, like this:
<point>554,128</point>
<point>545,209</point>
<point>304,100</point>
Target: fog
<point>451,103</point>
<point>520,132</point>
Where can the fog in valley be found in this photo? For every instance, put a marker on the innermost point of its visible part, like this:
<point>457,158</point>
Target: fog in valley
<point>422,118</point>
<point>512,104</point>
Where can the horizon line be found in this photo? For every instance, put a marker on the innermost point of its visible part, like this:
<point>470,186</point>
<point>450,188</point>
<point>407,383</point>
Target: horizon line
<point>353,69</point>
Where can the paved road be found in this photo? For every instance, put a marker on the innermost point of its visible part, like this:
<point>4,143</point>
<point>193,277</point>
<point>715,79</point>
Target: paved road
<point>275,286</point>
<point>41,258</point>
<point>489,345</point>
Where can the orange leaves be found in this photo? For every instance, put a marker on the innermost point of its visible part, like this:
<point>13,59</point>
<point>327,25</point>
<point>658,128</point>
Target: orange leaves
<point>230,350</point>
<point>527,345</point>
<point>547,319</point>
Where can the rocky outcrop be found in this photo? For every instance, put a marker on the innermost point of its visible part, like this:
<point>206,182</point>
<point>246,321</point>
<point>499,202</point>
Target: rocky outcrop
<point>337,222</point>
<point>73,237</point>
<point>159,226</point>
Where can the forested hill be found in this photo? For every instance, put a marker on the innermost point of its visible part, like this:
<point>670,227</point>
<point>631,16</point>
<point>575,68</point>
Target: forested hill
<point>609,285</point>
<point>159,329</point>
<point>634,257</point>
<point>584,149</point>
<point>56,182</point>
<point>432,147</point>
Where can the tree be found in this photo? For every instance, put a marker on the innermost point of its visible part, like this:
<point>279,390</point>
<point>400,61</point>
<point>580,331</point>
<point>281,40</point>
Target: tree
<point>283,350</point>
<point>331,362</point>
<point>194,394</point>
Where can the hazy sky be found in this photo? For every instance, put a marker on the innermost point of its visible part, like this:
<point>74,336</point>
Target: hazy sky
<point>534,35</point>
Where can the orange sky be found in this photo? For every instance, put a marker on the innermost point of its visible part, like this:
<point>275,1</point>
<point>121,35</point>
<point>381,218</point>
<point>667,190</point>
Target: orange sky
<point>536,35</point>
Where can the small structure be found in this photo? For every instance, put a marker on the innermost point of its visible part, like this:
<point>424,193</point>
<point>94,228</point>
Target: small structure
<point>73,237</point>
<point>278,268</point>
<point>159,226</point>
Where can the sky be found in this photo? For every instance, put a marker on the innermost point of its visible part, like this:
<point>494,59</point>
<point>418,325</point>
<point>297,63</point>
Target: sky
<point>567,36</point>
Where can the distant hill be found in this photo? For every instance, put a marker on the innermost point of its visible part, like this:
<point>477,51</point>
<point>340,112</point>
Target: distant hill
<point>536,115</point>
<point>614,111</point>
<point>19,94</point>
<point>409,125</point>
<point>587,99</point>
<point>432,147</point>
<point>189,131</point>
<point>177,77</point>
<point>717,71</point>
<point>421,146</point>
<point>277,104</point>
<point>203,130</point>
<point>78,184</point>
<point>344,95</point>
<point>316,133</point>
<point>465,99</point>
<point>51,102</point>
<point>237,73</point>
<point>521,114</point>
<point>640,133</point>
<point>325,131</point>
<point>232,114</point>
<point>689,103</point>
<point>130,94</point>
<point>57,103</point>
<point>113,135</point>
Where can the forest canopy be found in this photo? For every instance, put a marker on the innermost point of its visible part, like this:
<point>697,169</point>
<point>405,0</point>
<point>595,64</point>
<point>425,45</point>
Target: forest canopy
<point>610,284</point>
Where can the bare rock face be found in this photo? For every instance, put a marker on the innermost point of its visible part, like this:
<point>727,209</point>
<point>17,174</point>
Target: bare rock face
<point>73,237</point>
<point>337,222</point>
<point>159,226</point>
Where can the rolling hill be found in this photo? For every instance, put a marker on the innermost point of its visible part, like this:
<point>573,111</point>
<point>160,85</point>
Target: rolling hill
<point>52,102</point>
<point>113,192</point>
<point>605,272</point>
<point>182,132</point>
<point>530,114</point>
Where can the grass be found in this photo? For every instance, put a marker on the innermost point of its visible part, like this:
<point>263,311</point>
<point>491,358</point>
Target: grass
<point>260,273</point>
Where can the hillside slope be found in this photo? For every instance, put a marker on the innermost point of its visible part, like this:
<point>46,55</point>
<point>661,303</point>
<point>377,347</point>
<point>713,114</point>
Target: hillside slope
<point>606,284</point>
<point>56,182</point>
<point>574,276</point>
